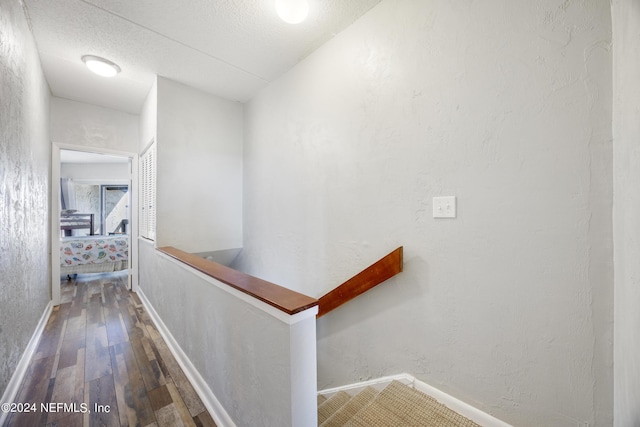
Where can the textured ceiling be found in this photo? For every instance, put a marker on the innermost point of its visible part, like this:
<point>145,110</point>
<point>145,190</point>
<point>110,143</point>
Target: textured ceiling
<point>230,48</point>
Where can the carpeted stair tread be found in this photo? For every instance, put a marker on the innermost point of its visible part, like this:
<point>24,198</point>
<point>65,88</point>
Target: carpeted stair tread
<point>321,399</point>
<point>352,407</point>
<point>399,405</point>
<point>331,405</point>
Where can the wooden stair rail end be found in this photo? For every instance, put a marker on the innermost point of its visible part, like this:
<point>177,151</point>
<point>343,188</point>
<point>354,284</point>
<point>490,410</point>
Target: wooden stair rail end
<point>283,299</point>
<point>377,273</point>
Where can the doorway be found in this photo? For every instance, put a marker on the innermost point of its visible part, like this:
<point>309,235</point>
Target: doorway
<point>93,201</point>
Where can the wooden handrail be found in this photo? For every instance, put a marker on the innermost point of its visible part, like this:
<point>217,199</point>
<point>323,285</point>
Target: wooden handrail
<point>283,299</point>
<point>377,273</point>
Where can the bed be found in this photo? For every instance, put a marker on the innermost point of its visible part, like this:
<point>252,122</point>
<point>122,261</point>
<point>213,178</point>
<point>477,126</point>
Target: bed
<point>90,253</point>
<point>93,254</point>
<point>70,220</point>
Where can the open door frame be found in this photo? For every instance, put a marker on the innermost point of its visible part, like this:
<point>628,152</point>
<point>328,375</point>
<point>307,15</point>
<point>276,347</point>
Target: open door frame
<point>55,213</point>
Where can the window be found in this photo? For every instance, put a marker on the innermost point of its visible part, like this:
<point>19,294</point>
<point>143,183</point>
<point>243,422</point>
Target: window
<point>114,209</point>
<point>148,192</point>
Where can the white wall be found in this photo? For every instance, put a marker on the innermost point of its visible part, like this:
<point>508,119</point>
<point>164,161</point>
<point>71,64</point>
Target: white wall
<point>199,183</point>
<point>24,188</point>
<point>149,118</point>
<point>504,104</point>
<point>96,172</point>
<point>81,124</point>
<point>626,133</point>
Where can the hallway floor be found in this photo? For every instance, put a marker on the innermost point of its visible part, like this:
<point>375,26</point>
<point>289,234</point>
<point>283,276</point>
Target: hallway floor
<point>102,362</point>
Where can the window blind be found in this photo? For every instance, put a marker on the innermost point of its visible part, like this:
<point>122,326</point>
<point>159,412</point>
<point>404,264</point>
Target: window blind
<point>148,192</point>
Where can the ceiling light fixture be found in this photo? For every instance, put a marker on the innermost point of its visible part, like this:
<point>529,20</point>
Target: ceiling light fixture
<point>292,11</point>
<point>102,67</point>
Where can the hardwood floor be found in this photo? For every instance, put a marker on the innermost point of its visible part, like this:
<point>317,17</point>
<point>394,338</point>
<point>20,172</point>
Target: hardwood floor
<point>102,362</point>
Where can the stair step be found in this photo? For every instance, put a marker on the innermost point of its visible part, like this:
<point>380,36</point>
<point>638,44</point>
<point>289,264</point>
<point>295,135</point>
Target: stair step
<point>396,405</point>
<point>331,405</point>
<point>321,399</point>
<point>352,407</point>
<point>401,405</point>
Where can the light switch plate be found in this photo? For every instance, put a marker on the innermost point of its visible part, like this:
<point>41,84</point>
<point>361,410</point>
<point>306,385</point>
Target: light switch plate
<point>444,207</point>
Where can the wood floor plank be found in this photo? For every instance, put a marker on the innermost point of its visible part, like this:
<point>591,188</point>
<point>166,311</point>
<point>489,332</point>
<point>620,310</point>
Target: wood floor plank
<point>115,330</point>
<point>33,390</point>
<point>78,303</point>
<point>136,397</point>
<point>156,364</point>
<point>108,292</point>
<point>74,339</point>
<point>162,372</point>
<point>64,391</point>
<point>136,300</point>
<point>153,331</point>
<point>204,419</point>
<point>80,380</point>
<point>47,397</point>
<point>94,310</point>
<point>102,403</point>
<point>122,387</point>
<point>128,317</point>
<point>52,332</point>
<point>86,416</point>
<point>67,293</point>
<point>74,419</point>
<point>144,317</point>
<point>190,397</point>
<point>168,416</point>
<point>98,363</point>
<point>156,369</point>
<point>129,415</point>
<point>181,407</point>
<point>101,347</point>
<point>144,364</point>
<point>160,397</point>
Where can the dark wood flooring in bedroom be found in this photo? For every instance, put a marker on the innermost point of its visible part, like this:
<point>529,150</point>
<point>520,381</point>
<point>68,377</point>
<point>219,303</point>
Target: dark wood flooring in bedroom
<point>101,348</point>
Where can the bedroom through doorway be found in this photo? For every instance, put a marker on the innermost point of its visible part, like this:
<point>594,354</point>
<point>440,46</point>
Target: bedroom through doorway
<point>92,226</point>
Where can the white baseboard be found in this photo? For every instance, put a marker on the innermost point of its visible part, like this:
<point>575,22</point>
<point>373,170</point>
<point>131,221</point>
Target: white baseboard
<point>464,409</point>
<point>210,401</point>
<point>378,384</point>
<point>11,392</point>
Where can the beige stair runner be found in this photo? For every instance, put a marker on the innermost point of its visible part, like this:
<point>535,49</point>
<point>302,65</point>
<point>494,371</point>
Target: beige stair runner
<point>396,405</point>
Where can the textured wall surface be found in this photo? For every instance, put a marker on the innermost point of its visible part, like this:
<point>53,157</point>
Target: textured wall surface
<point>87,199</point>
<point>504,104</point>
<point>626,134</point>
<point>96,172</point>
<point>199,184</point>
<point>24,188</point>
<point>78,123</point>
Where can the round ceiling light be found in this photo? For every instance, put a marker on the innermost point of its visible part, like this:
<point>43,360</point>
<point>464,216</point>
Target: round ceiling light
<point>292,11</point>
<point>102,67</point>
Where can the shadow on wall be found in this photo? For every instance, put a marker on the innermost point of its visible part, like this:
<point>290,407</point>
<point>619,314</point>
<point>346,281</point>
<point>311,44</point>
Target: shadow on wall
<point>225,257</point>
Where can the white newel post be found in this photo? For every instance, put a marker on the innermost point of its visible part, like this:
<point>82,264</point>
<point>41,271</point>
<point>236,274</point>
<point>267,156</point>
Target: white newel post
<point>304,383</point>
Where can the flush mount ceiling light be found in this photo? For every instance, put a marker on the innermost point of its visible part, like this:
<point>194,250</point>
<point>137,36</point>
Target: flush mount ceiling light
<point>292,11</point>
<point>102,67</point>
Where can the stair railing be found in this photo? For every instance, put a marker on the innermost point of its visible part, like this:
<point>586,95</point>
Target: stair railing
<point>252,334</point>
<point>372,276</point>
<point>281,298</point>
